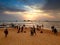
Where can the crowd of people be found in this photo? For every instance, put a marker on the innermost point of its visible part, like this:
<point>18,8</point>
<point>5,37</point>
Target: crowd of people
<point>32,29</point>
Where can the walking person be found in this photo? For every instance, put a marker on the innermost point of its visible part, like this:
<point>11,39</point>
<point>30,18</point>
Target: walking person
<point>6,32</point>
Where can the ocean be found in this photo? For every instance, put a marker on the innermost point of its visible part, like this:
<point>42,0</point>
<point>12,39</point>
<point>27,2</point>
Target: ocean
<point>47,25</point>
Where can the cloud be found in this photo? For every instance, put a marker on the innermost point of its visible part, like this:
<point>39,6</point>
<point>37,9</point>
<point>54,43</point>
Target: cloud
<point>12,8</point>
<point>4,8</point>
<point>10,17</point>
<point>18,5</point>
<point>52,5</point>
<point>44,9</point>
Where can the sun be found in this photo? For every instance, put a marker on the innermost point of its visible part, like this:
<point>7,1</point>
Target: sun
<point>31,14</point>
<point>30,17</point>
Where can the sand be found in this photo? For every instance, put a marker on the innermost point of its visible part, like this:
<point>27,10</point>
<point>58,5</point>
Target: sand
<point>14,38</point>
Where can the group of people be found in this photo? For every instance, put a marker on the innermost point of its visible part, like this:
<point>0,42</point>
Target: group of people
<point>20,29</point>
<point>40,27</point>
<point>32,29</point>
<point>54,30</point>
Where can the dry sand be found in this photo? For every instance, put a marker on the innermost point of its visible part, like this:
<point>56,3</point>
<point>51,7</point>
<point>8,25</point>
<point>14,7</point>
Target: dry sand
<point>14,38</point>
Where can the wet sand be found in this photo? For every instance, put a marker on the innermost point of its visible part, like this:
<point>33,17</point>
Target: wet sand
<point>14,38</point>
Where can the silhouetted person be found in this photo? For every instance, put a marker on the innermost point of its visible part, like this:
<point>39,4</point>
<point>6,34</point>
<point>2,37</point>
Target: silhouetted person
<point>22,29</point>
<point>38,27</point>
<point>31,31</point>
<point>55,31</point>
<point>18,29</point>
<point>34,31</point>
<point>24,25</point>
<point>52,27</point>
<point>6,32</point>
<point>12,25</point>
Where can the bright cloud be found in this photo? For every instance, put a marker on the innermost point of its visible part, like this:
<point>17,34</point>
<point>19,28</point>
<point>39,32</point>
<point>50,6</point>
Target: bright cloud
<point>31,13</point>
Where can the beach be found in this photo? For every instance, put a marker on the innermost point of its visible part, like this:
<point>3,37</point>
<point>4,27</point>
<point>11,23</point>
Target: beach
<point>29,22</point>
<point>14,38</point>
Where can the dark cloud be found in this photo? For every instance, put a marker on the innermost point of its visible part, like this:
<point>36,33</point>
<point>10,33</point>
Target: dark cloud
<point>18,5</point>
<point>2,9</point>
<point>6,8</point>
<point>10,5</point>
<point>52,5</point>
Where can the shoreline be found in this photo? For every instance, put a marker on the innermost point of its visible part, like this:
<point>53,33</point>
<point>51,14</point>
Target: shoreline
<point>28,30</point>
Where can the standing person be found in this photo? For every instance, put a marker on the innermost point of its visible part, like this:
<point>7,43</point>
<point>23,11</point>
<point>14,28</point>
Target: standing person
<point>38,27</point>
<point>6,32</point>
<point>18,29</point>
<point>52,27</point>
<point>31,31</point>
<point>22,29</point>
<point>55,31</point>
<point>24,25</point>
<point>34,31</point>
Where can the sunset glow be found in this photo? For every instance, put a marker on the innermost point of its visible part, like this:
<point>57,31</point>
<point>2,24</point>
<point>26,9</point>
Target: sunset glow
<point>31,14</point>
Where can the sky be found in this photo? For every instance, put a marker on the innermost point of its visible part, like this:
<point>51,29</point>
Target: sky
<point>30,10</point>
